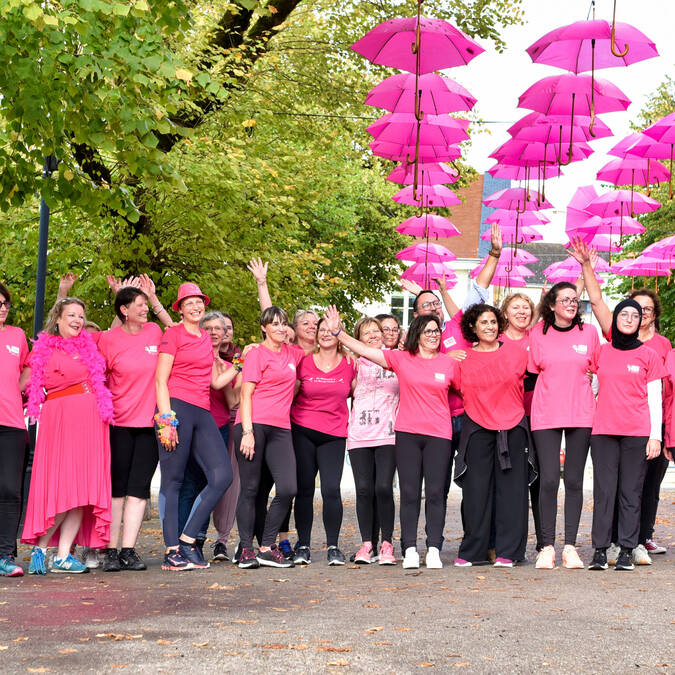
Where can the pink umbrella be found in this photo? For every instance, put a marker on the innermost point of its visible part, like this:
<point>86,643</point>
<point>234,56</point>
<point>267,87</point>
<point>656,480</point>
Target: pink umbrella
<point>428,225</point>
<point>503,276</point>
<point>664,132</point>
<point>426,253</point>
<point>510,259</point>
<point>663,248</point>
<point>643,266</point>
<point>434,129</point>
<point>432,94</point>
<point>624,148</point>
<point>601,242</point>
<point>647,146</point>
<point>555,129</point>
<point>431,174</point>
<point>504,217</point>
<point>525,234</point>
<point>399,152</point>
<point>437,196</point>
<point>424,274</point>
<point>597,225</point>
<point>620,203</point>
<point>571,265</point>
<point>417,44</point>
<point>548,153</point>
<point>505,169</point>
<point>633,171</point>
<point>517,199</point>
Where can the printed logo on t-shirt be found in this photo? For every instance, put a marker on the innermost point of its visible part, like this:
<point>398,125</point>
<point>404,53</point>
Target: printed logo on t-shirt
<point>580,349</point>
<point>292,366</point>
<point>13,350</point>
<point>439,376</point>
<point>449,342</point>
<point>633,369</point>
<point>151,349</point>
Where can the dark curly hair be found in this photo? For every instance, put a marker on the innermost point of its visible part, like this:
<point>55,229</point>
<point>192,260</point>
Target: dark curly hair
<point>548,315</point>
<point>418,324</point>
<point>655,299</point>
<point>471,315</point>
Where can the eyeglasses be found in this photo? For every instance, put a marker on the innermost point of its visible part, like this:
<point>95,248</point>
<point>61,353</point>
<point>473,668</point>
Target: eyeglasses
<point>431,332</point>
<point>324,331</point>
<point>431,305</point>
<point>568,301</point>
<point>645,310</point>
<point>629,316</point>
<point>391,331</point>
<point>5,303</point>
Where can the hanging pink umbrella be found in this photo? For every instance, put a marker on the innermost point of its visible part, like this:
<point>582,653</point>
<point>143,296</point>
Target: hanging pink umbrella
<point>601,242</point>
<point>551,153</point>
<point>560,123</point>
<point>571,265</point>
<point>432,94</point>
<point>504,276</point>
<point>664,132</point>
<point>624,148</point>
<point>429,174</point>
<point>426,253</point>
<point>428,225</point>
<point>399,152</point>
<point>620,203</point>
<point>647,146</point>
<point>424,274</point>
<point>643,266</point>
<point>434,129</point>
<point>436,196</point>
<point>525,171</point>
<point>394,44</point>
<point>663,248</point>
<point>612,225</point>
<point>504,217</point>
<point>517,199</point>
<point>633,171</point>
<point>525,234</point>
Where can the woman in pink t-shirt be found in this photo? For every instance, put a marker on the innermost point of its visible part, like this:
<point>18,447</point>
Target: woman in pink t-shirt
<point>15,373</point>
<point>423,426</point>
<point>669,382</point>
<point>561,352</point>
<point>319,417</point>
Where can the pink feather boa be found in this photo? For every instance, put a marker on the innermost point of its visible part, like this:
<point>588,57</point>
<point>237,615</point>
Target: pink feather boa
<point>86,348</point>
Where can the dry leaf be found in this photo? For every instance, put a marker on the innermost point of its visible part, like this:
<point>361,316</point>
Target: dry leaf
<point>275,645</point>
<point>383,642</point>
<point>403,630</point>
<point>67,651</point>
<point>281,581</point>
<point>165,642</point>
<point>425,664</point>
<point>41,669</point>
<point>339,662</point>
<point>372,606</point>
<point>200,644</point>
<point>219,587</point>
<point>461,664</point>
<point>84,639</point>
<point>375,629</point>
<point>328,648</point>
<point>279,609</point>
<point>3,648</point>
<point>20,639</point>
<point>247,622</point>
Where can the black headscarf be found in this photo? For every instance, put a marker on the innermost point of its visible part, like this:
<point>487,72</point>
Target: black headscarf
<point>622,340</point>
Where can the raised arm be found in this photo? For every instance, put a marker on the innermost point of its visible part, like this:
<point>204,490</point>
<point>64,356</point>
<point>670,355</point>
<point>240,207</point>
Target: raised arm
<point>221,376</point>
<point>147,285</point>
<point>484,278</point>
<point>450,305</point>
<point>259,271</point>
<point>65,284</point>
<point>333,324</point>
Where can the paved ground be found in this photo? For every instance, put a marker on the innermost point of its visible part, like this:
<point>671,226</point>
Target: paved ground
<point>350,619</point>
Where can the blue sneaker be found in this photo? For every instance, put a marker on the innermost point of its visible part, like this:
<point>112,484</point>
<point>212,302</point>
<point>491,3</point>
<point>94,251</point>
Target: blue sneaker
<point>286,549</point>
<point>69,565</point>
<point>193,554</point>
<point>8,568</point>
<point>37,561</point>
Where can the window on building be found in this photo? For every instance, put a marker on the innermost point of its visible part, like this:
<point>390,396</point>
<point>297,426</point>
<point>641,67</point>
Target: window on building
<point>401,307</point>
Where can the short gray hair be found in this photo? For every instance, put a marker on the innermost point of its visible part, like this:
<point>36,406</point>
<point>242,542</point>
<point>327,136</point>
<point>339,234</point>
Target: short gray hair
<point>212,316</point>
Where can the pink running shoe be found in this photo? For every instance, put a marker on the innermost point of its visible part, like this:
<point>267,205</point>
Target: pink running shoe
<point>364,554</point>
<point>503,562</point>
<point>386,556</point>
<point>653,547</point>
<point>460,562</point>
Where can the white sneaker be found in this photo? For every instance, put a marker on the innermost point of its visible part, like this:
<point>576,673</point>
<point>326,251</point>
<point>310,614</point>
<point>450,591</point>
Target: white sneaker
<point>411,559</point>
<point>640,555</point>
<point>612,554</point>
<point>433,560</point>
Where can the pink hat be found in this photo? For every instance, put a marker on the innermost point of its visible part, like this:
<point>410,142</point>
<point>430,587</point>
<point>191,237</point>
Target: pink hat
<point>188,290</point>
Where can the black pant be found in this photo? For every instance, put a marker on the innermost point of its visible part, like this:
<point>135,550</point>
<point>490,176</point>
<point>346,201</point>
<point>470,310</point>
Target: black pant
<point>547,443</point>
<point>12,451</point>
<point>133,460</point>
<point>485,483</point>
<point>418,457</point>
<point>619,466</point>
<point>274,448</point>
<point>373,470</point>
<point>325,454</point>
<point>656,470</point>
<point>266,485</point>
<point>197,434</point>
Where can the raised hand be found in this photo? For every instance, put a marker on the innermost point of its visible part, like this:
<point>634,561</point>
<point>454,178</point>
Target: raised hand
<point>258,269</point>
<point>114,283</point>
<point>579,250</point>
<point>496,238</point>
<point>442,285</point>
<point>147,285</point>
<point>66,283</point>
<point>411,286</point>
<point>131,282</point>
<point>332,319</point>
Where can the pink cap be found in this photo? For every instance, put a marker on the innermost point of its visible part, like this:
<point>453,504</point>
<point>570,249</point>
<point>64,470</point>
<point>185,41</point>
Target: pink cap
<point>188,290</point>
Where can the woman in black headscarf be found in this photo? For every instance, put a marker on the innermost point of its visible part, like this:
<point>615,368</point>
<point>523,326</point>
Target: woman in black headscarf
<point>626,432</point>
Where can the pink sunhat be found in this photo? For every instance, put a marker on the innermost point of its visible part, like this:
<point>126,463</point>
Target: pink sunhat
<point>188,290</point>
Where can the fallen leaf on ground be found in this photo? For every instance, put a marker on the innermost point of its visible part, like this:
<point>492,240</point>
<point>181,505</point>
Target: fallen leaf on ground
<point>200,644</point>
<point>3,648</point>
<point>403,630</point>
<point>425,664</point>
<point>219,587</point>
<point>67,651</point>
<point>41,669</point>
<point>328,648</point>
<point>339,662</point>
<point>165,642</point>
<point>248,622</point>
<point>20,639</point>
<point>372,606</point>
<point>281,581</point>
<point>374,629</point>
<point>383,642</point>
<point>461,664</point>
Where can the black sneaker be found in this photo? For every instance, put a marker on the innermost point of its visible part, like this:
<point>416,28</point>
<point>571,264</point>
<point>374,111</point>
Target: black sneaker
<point>174,561</point>
<point>599,561</point>
<point>302,555</point>
<point>335,556</point>
<point>625,560</point>
<point>111,560</point>
<point>130,560</point>
<point>193,554</point>
<point>237,554</point>
<point>246,559</point>
<point>273,558</point>
<point>220,552</point>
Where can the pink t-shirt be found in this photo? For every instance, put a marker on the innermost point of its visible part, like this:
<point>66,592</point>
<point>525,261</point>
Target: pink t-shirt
<point>492,386</point>
<point>321,403</point>
<point>219,409</point>
<point>424,383</point>
<point>623,376</point>
<point>274,374</point>
<point>131,362</point>
<point>13,359</point>
<point>374,407</point>
<point>562,395</point>
<point>190,378</point>
<point>669,382</point>
<point>524,344</point>
<point>452,339</point>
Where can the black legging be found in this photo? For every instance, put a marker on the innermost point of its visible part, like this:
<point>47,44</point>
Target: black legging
<point>264,489</point>
<point>417,457</point>
<point>12,451</point>
<point>374,477</point>
<point>274,448</point>
<point>316,451</point>
<point>197,434</point>
<point>547,443</point>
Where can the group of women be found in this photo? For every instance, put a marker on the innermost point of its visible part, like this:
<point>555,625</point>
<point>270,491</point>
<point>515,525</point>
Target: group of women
<point>483,398</point>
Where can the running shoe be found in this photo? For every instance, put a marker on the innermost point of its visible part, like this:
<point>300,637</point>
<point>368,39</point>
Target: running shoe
<point>460,562</point>
<point>286,549</point>
<point>237,554</point>
<point>640,555</point>
<point>199,543</point>
<point>502,562</point>
<point>612,554</point>
<point>599,561</point>
<point>192,553</point>
<point>90,557</point>
<point>273,558</point>
<point>625,560</point>
<point>433,559</point>
<point>302,555</point>
<point>652,547</point>
<point>130,560</point>
<point>8,568</point>
<point>220,552</point>
<point>247,559</point>
<point>571,559</point>
<point>546,558</point>
<point>411,559</point>
<point>335,556</point>
<point>174,561</point>
<point>386,556</point>
<point>364,554</point>
<point>111,560</point>
<point>37,563</point>
<point>69,565</point>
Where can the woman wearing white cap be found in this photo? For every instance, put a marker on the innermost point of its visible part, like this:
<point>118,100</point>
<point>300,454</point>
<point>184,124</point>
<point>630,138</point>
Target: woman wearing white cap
<point>186,368</point>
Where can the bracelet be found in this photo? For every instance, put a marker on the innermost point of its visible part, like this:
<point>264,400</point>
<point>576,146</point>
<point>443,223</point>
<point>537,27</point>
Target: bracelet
<point>166,420</point>
<point>338,333</point>
<point>494,254</point>
<point>157,311</point>
<point>246,432</point>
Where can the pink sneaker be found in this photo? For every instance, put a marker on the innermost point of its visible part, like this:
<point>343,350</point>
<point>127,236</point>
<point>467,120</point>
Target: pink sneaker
<point>364,554</point>
<point>387,556</point>
<point>460,562</point>
<point>653,547</point>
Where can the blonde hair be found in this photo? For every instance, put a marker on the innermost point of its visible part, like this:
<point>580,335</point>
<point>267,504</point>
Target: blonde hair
<point>57,310</point>
<point>362,323</point>
<point>517,296</point>
<point>317,346</point>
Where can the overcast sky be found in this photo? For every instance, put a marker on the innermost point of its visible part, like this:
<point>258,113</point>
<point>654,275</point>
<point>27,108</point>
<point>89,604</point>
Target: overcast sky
<point>497,80</point>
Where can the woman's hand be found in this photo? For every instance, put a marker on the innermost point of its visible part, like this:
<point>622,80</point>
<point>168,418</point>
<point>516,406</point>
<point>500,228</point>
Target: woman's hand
<point>247,446</point>
<point>653,448</point>
<point>66,283</point>
<point>457,354</point>
<point>248,348</point>
<point>332,319</point>
<point>411,286</point>
<point>258,269</point>
<point>442,284</point>
<point>169,438</point>
<point>579,250</point>
<point>147,285</point>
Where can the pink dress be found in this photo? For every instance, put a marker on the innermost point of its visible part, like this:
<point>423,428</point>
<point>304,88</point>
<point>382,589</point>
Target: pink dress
<point>71,466</point>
